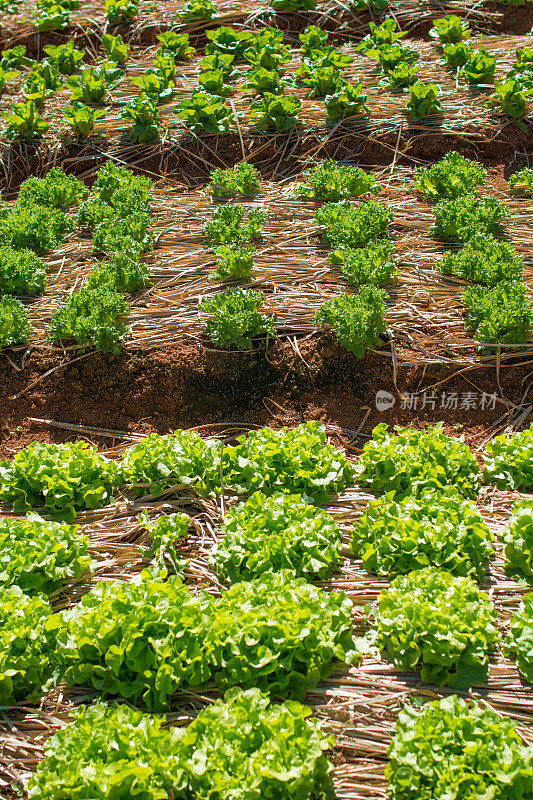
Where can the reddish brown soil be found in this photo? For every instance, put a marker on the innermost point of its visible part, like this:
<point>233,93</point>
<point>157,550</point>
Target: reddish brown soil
<point>189,385</point>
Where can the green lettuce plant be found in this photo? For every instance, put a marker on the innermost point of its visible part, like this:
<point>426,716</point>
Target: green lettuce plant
<point>263,82</point>
<point>164,533</point>
<point>142,640</point>
<point>235,319</point>
<point>519,644</point>
<point>24,122</point>
<point>55,190</point>
<point>450,30</point>
<point>324,57</point>
<point>411,461</point>
<point>500,315</point>
<point>298,461</point>
<point>225,62</point>
<point>279,634</point>
<point>457,747</point>
<point>51,17</point>
<point>61,478</point>
<point>313,38</point>
<point>517,537</point>
<point>479,69</point>
<point>432,529</point>
<point>66,58</point>
<point>14,57</point>
<point>92,317</point>
<point>357,320</point>
<point>228,40</point>
<point>423,100</point>
<point>456,56</point>
<point>330,180</point>
<point>34,227</point>
<point>120,272</point>
<point>21,272</point>
<point>390,57</point>
<point>458,220</point>
<point>108,750</point>
<point>116,48</point>
<point>118,11</point>
<point>227,226</point>
<point>34,89</point>
<point>415,617</point>
<point>450,178</point>
<point>292,6</point>
<point>276,112</point>
<point>508,460</point>
<point>347,102</point>
<point>199,9</point>
<point>286,754</point>
<point>242,179</point>
<point>269,55</point>
<point>483,259</point>
<point>510,98</point>
<point>233,262</point>
<point>401,77</point>
<point>204,113</point>
<point>142,111</point>
<point>521,183</point>
<point>81,119</point>
<point>372,264</point>
<point>180,460</point>
<point>349,225</point>
<point>14,322</point>
<point>5,76</point>
<point>280,532</point>
<point>27,646</point>
<point>38,556</point>
<point>176,45</point>
<point>385,34</point>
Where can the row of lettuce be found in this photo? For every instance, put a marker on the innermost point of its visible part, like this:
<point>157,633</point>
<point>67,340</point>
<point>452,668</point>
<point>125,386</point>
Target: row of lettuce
<point>117,217</point>
<point>270,632</point>
<point>55,15</point>
<point>267,81</point>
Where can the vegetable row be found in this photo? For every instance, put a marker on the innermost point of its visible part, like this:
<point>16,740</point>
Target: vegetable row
<point>266,56</point>
<point>117,217</point>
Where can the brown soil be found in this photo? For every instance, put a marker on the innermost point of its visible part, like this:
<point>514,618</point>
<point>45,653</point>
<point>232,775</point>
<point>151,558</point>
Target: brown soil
<point>189,385</point>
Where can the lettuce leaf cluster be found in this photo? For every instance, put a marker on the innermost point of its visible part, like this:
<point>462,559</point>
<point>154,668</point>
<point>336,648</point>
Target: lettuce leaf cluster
<point>454,748</point>
<point>279,634</point>
<point>411,461</point>
<point>242,746</point>
<point>434,529</point>
<point>27,645</point>
<point>509,460</point>
<point>61,478</point>
<point>439,623</point>
<point>517,537</point>
<point>268,534</point>
<point>450,178</point>
<point>483,259</point>
<point>330,180</point>
<point>142,640</point>
<point>297,461</point>
<point>182,459</point>
<point>519,644</point>
<point>40,556</point>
